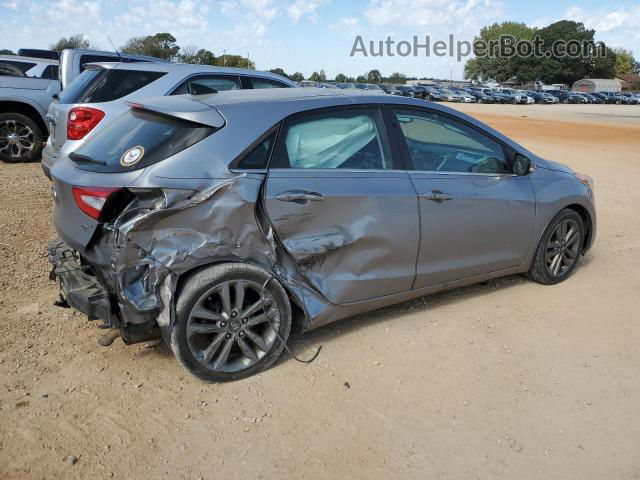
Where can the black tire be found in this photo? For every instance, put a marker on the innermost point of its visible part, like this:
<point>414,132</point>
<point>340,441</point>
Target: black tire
<point>32,135</point>
<point>191,295</point>
<point>540,271</point>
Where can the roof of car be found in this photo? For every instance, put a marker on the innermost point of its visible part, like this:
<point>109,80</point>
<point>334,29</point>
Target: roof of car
<point>20,58</point>
<point>303,95</point>
<point>187,69</point>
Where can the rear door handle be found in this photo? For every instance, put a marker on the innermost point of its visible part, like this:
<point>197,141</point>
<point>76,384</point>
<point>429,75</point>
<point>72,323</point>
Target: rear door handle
<point>299,196</point>
<point>437,196</point>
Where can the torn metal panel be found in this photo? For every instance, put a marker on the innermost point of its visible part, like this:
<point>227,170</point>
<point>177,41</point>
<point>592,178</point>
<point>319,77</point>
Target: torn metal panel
<point>165,233</point>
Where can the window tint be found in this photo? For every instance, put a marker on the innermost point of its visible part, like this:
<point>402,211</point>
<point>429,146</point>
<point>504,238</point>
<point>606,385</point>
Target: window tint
<point>342,139</point>
<point>258,157</point>
<point>50,72</point>
<point>160,136</point>
<point>116,84</point>
<point>24,67</point>
<point>266,83</point>
<point>439,144</point>
<point>79,86</point>
<point>208,84</point>
<point>105,85</point>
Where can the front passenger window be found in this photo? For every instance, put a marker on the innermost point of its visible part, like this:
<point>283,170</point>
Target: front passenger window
<point>438,143</point>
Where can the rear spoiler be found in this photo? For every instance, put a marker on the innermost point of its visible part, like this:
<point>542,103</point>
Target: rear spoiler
<point>181,107</point>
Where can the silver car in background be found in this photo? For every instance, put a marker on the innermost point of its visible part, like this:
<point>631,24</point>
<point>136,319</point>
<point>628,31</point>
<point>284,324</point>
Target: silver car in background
<point>224,222</point>
<point>101,91</point>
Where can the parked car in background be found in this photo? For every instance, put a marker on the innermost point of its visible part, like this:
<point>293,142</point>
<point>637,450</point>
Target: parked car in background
<point>374,87</point>
<point>420,92</point>
<point>565,96</point>
<point>158,239</point>
<point>538,97</point>
<point>481,97</point>
<point>512,95</point>
<point>451,96</point>
<point>434,94</point>
<point>30,67</point>
<point>604,98</point>
<point>102,91</point>
<point>407,91</point>
<point>499,97</point>
<point>631,99</point>
<point>390,89</point>
<point>24,100</point>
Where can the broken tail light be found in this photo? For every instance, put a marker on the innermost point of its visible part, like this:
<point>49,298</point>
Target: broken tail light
<point>81,121</point>
<point>91,200</point>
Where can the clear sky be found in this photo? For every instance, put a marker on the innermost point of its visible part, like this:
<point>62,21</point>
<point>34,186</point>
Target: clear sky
<point>305,35</point>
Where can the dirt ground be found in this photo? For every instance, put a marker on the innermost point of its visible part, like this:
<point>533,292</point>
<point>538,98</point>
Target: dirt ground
<point>510,380</point>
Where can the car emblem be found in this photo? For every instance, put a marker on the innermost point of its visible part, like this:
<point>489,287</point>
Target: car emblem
<point>132,156</point>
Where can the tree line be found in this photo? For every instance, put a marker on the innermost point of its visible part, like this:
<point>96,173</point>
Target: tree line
<point>549,68</point>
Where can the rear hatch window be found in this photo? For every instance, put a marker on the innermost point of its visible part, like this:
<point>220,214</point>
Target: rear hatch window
<point>136,140</point>
<point>104,85</point>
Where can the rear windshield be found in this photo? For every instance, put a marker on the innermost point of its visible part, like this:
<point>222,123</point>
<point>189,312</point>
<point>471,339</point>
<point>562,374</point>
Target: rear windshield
<point>105,85</point>
<point>154,136</point>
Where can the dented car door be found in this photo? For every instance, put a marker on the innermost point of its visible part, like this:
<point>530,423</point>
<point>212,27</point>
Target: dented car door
<point>342,205</point>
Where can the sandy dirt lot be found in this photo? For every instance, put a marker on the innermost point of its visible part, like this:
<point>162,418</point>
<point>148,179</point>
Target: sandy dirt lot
<point>509,380</point>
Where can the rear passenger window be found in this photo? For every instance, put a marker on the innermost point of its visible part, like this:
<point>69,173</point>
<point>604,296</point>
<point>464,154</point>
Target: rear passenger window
<point>353,139</point>
<point>209,84</point>
<point>258,158</point>
<point>266,83</point>
<point>114,84</point>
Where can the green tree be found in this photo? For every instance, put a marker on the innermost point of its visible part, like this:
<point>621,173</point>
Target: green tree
<point>341,78</point>
<point>236,61</point>
<point>279,71</point>
<point>297,77</point>
<point>374,76</point>
<point>160,45</point>
<point>7,52</point>
<point>74,41</point>
<point>318,76</point>
<point>361,79</point>
<point>567,69</point>
<point>485,67</point>
<point>191,54</point>
<point>397,77</point>
<point>625,63</point>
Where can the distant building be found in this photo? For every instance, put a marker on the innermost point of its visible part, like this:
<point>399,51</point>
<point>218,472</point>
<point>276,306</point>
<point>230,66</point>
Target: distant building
<point>594,85</point>
<point>629,81</point>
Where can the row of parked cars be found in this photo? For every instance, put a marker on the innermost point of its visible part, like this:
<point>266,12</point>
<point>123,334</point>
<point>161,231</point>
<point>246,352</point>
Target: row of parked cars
<point>485,94</point>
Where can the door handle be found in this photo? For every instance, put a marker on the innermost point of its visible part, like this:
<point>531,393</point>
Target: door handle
<point>299,196</point>
<point>437,196</point>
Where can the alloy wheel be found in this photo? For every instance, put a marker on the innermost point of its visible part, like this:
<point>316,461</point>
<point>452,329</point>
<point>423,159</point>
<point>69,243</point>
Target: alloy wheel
<point>563,248</point>
<point>17,139</point>
<point>231,327</point>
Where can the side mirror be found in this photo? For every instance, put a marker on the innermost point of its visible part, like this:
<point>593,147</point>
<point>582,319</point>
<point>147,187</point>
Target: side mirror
<point>521,165</point>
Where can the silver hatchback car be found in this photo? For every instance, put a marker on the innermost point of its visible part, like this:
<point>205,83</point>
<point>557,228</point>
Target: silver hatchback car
<point>225,222</point>
<point>101,91</point>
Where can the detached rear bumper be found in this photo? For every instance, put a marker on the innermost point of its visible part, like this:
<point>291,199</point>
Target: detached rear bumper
<point>81,290</point>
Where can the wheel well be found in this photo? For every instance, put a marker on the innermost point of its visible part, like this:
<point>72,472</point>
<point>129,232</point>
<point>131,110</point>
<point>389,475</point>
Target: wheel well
<point>586,220</point>
<point>26,110</point>
<point>298,315</point>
